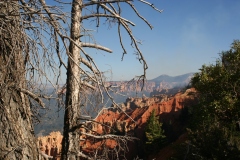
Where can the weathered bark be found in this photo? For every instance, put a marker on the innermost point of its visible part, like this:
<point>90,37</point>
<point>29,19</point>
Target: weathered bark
<point>17,139</point>
<point>71,140</point>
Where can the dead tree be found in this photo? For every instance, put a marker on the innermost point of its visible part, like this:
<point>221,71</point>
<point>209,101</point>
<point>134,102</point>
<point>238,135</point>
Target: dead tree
<point>35,42</point>
<point>24,59</point>
<point>17,139</point>
<point>76,76</point>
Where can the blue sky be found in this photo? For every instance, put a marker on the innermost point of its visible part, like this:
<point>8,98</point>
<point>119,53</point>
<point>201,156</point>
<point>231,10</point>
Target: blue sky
<point>186,35</point>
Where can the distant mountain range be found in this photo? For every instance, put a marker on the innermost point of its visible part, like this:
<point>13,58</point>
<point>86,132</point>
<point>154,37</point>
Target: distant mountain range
<point>185,78</point>
<point>156,84</point>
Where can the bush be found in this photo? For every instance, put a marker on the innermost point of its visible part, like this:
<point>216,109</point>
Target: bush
<point>215,133</point>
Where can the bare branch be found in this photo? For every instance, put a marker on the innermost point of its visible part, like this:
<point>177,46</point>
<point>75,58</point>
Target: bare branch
<point>96,46</point>
<point>135,10</point>
<point>151,5</point>
<point>46,156</point>
<point>87,85</point>
<point>58,50</point>
<point>80,154</point>
<point>33,96</point>
<point>103,2</point>
<point>110,136</point>
<point>141,59</point>
<point>107,15</point>
<point>89,65</point>
<point>120,39</point>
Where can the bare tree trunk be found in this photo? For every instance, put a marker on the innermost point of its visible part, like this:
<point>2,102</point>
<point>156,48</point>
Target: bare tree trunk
<point>17,139</point>
<point>71,140</point>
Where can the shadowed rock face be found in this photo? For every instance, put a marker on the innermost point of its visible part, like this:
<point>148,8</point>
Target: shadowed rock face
<point>168,108</point>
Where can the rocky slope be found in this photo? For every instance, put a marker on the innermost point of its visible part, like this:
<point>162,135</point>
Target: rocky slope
<point>168,108</point>
<point>131,120</point>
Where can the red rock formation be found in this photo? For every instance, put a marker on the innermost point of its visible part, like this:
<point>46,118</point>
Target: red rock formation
<point>51,144</point>
<point>139,109</point>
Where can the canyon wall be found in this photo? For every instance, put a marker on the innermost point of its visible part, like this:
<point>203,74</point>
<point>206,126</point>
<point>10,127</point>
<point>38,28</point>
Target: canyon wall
<point>51,145</point>
<point>129,120</point>
<point>168,108</point>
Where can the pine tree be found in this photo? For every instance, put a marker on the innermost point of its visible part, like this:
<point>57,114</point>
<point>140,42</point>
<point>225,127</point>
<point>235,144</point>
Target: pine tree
<point>155,138</point>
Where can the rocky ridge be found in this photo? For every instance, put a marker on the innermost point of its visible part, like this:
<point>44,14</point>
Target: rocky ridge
<point>139,110</point>
<point>163,82</point>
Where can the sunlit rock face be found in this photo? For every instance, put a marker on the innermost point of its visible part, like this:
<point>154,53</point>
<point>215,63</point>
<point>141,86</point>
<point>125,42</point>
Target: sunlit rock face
<point>51,145</point>
<point>137,110</point>
<point>130,121</point>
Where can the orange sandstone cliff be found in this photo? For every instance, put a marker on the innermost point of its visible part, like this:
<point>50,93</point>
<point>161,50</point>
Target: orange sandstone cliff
<point>51,144</point>
<point>130,121</point>
<point>139,109</point>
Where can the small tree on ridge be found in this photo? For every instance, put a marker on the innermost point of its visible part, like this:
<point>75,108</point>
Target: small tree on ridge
<point>155,137</point>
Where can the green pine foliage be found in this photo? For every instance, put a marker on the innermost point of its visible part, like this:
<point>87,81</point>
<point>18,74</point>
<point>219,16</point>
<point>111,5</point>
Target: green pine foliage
<point>155,138</point>
<point>214,133</point>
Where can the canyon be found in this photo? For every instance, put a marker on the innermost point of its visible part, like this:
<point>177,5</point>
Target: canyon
<point>51,118</point>
<point>129,118</point>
